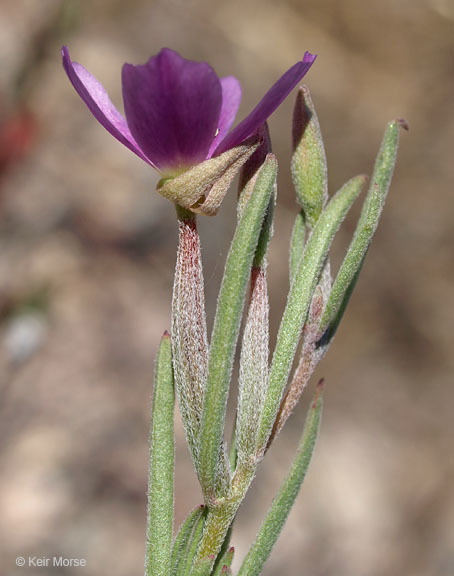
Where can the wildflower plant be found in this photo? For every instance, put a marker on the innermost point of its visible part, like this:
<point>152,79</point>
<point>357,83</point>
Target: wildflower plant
<point>178,120</point>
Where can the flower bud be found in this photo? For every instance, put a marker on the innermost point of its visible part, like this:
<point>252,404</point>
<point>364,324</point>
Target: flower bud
<point>309,171</point>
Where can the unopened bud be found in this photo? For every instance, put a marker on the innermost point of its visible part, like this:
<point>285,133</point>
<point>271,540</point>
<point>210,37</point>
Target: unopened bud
<point>309,171</point>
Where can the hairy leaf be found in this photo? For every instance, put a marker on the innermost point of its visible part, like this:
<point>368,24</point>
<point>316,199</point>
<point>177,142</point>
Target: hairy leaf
<point>227,323</point>
<point>283,502</point>
<point>367,225</point>
<point>162,448</point>
<point>299,300</point>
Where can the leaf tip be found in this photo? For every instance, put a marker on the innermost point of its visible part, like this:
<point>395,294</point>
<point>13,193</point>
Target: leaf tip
<point>318,392</point>
<point>402,123</point>
<point>271,158</point>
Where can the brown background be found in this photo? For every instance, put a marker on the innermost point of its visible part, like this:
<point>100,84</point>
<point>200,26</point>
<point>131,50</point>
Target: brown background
<point>87,251</point>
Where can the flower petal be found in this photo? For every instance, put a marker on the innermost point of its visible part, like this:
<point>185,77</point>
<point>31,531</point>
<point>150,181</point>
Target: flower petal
<point>96,98</point>
<point>267,105</point>
<point>231,99</point>
<point>172,106</point>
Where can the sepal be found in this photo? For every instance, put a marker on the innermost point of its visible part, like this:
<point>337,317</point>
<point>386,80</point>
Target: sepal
<point>202,188</point>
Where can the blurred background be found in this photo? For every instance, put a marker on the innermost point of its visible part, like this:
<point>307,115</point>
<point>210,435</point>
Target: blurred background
<point>87,251</point>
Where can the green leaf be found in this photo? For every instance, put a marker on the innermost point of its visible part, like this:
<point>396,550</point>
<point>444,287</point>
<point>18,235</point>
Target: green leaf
<point>183,539</point>
<point>299,300</point>
<point>216,531</point>
<point>367,225</point>
<point>309,171</point>
<point>227,324</point>
<point>306,364</point>
<point>162,449</point>
<point>251,168</point>
<point>283,502</point>
<point>224,563</point>
<point>192,546</point>
<point>247,181</point>
<point>225,548</point>
<point>203,567</point>
<point>297,244</point>
<point>266,234</point>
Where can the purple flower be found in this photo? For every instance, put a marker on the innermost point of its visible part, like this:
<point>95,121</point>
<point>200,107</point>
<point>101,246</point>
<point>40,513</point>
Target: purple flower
<point>178,112</point>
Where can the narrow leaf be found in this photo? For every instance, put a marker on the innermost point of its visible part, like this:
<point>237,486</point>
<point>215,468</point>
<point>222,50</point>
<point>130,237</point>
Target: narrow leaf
<point>223,474</point>
<point>189,333</point>
<point>306,364</point>
<point>192,546</point>
<point>283,502</point>
<point>310,354</point>
<point>253,378</point>
<point>248,178</point>
<point>216,531</point>
<point>233,454</point>
<point>251,169</point>
<point>160,485</point>
<point>367,225</point>
<point>227,324</point>
<point>297,244</point>
<point>309,170</point>
<point>266,233</point>
<point>183,539</point>
<point>299,300</point>
<point>203,567</point>
<point>224,563</point>
<point>225,548</point>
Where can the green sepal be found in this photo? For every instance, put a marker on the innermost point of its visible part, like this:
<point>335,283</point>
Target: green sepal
<point>202,188</point>
<point>299,300</point>
<point>284,500</point>
<point>309,170</point>
<point>161,470</point>
<point>365,230</point>
<point>227,324</point>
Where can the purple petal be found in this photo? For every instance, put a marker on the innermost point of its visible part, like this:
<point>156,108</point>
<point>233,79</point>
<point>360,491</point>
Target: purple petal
<point>231,99</point>
<point>267,105</point>
<point>172,106</point>
<point>96,98</point>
